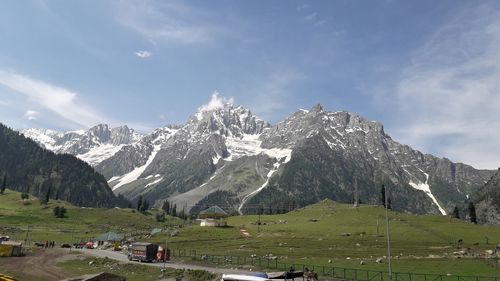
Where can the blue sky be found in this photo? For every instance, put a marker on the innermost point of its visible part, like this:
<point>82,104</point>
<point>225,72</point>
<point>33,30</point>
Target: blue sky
<point>428,70</point>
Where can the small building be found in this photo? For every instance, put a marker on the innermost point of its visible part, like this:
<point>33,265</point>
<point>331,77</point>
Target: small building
<point>103,276</point>
<point>109,238</point>
<point>11,249</point>
<point>213,216</point>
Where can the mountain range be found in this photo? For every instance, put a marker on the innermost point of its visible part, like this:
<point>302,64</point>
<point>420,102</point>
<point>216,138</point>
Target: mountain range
<point>230,157</point>
<point>29,168</point>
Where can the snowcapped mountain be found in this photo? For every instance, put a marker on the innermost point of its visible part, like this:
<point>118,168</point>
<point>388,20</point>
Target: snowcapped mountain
<point>226,155</point>
<point>92,146</point>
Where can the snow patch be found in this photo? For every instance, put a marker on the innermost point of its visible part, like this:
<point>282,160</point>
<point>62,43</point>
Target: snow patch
<point>426,188</point>
<point>98,154</point>
<point>249,145</point>
<point>154,182</point>
<point>137,172</point>
<point>251,194</point>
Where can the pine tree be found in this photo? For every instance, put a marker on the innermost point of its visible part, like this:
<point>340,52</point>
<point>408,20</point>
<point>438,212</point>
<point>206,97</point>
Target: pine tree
<point>46,198</point>
<point>174,210</point>
<point>4,185</point>
<point>139,203</point>
<point>144,207</point>
<point>456,213</point>
<point>166,207</point>
<point>382,195</point>
<point>472,213</point>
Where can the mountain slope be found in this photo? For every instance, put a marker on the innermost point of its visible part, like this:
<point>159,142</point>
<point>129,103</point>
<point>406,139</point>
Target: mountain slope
<point>30,168</point>
<point>487,201</point>
<point>342,156</point>
<point>228,156</point>
<point>92,146</point>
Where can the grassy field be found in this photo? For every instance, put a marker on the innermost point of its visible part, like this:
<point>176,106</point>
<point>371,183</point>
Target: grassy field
<point>133,272</point>
<point>37,222</point>
<point>345,236</point>
<point>324,234</point>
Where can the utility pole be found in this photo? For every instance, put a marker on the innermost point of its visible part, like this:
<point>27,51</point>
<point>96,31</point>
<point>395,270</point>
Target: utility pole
<point>27,235</point>
<point>259,210</point>
<point>388,234</point>
<point>72,235</point>
<point>165,257</point>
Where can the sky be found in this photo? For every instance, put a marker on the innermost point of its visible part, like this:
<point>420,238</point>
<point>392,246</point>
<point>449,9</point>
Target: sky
<point>428,70</point>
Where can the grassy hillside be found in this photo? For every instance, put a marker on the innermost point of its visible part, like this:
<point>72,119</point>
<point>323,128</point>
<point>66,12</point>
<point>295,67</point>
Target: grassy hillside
<point>18,218</point>
<point>314,235</point>
<point>318,233</point>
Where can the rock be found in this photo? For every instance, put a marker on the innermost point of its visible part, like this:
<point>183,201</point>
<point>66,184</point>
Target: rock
<point>379,260</point>
<point>348,258</point>
<point>362,262</point>
<point>91,262</point>
<point>358,245</point>
<point>329,261</point>
<point>345,234</point>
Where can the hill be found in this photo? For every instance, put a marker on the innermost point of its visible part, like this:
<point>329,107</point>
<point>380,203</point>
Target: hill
<point>30,168</point>
<point>346,236</point>
<point>28,218</point>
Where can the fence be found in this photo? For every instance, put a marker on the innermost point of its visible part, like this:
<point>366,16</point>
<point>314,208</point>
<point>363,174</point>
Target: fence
<point>325,271</point>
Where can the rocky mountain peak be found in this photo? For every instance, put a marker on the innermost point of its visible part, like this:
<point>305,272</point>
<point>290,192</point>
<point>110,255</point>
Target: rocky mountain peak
<point>227,120</point>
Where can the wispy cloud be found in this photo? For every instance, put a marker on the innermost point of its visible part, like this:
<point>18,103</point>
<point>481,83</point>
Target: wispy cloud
<point>167,21</point>
<point>311,16</point>
<point>302,7</point>
<point>56,99</point>
<point>450,93</point>
<point>143,54</point>
<point>31,115</point>
<point>3,103</point>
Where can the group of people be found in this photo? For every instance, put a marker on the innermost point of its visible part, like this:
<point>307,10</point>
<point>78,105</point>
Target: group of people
<point>50,244</point>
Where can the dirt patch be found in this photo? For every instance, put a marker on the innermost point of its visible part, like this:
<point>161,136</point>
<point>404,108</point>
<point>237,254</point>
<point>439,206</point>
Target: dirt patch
<point>38,264</point>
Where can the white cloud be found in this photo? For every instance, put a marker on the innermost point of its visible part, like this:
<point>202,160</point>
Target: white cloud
<point>311,16</point>
<point>143,54</point>
<point>320,22</point>
<point>31,115</point>
<point>450,93</point>
<point>216,102</point>
<point>56,99</point>
<point>302,7</point>
<point>3,103</point>
<point>167,21</point>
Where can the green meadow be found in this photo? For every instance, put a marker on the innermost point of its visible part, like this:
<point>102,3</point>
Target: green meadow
<point>326,234</point>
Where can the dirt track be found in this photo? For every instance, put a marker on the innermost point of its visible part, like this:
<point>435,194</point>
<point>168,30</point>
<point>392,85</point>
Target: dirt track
<point>39,265</point>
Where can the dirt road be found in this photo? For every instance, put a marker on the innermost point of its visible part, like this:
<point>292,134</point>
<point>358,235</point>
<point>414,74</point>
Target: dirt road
<point>123,258</point>
<point>39,265</point>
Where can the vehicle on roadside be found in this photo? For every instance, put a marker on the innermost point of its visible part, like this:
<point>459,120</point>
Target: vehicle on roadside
<point>243,277</point>
<point>89,245</point>
<point>143,252</point>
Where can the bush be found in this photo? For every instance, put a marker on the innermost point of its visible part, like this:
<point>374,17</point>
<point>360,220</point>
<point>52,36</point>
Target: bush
<point>59,212</point>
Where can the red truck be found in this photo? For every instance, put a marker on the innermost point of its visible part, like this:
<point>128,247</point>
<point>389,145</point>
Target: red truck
<point>142,251</point>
